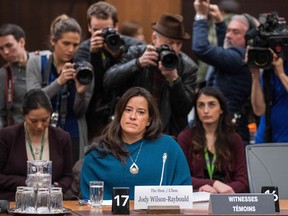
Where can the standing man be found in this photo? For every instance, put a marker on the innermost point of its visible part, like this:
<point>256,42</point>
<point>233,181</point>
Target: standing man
<point>171,84</point>
<point>12,74</point>
<point>102,20</point>
<point>232,75</point>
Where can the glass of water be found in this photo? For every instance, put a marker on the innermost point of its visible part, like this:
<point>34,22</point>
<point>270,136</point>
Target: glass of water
<point>28,200</point>
<point>43,200</point>
<point>19,199</point>
<point>56,199</point>
<point>96,193</point>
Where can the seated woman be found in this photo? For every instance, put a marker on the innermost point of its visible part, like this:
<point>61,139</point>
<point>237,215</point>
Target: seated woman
<point>130,151</point>
<point>215,153</point>
<point>34,140</point>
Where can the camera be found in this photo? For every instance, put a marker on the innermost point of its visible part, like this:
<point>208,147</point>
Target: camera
<point>113,39</point>
<point>167,56</point>
<point>84,72</point>
<point>272,33</point>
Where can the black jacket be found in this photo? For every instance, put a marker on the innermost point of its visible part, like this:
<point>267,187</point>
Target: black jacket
<point>175,101</point>
<point>102,103</point>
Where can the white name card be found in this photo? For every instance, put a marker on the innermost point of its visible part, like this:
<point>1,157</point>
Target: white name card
<point>180,195</point>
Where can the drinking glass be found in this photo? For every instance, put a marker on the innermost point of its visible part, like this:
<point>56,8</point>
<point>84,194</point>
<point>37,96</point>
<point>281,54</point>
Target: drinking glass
<point>56,199</point>
<point>29,200</point>
<point>19,199</point>
<point>96,193</point>
<point>43,200</point>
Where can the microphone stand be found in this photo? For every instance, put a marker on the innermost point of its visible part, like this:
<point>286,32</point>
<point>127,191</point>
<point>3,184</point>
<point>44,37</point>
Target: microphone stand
<point>268,101</point>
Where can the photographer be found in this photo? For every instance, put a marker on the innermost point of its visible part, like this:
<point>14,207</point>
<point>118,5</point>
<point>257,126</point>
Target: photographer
<point>269,95</point>
<point>102,50</point>
<point>232,75</point>
<point>68,84</point>
<point>161,68</point>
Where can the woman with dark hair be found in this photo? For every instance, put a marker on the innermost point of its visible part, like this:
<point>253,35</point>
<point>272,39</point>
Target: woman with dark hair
<point>131,149</point>
<point>215,153</point>
<point>57,76</point>
<point>33,140</point>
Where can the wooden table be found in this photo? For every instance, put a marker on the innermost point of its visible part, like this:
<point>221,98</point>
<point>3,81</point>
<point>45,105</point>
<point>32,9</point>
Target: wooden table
<point>86,210</point>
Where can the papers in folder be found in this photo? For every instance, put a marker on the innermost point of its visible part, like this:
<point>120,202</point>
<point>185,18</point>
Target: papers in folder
<point>201,199</point>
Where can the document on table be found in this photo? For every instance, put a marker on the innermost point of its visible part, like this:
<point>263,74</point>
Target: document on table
<point>201,197</point>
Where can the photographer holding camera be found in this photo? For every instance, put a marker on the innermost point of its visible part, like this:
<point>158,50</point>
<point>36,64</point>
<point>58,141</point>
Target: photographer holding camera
<point>267,55</point>
<point>161,68</point>
<point>102,50</point>
<point>68,83</point>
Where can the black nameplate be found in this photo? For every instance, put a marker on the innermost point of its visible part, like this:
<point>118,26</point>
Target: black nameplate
<point>248,203</point>
<point>120,200</point>
<point>272,190</point>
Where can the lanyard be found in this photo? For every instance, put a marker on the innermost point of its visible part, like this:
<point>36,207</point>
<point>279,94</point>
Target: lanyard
<point>30,143</point>
<point>210,165</point>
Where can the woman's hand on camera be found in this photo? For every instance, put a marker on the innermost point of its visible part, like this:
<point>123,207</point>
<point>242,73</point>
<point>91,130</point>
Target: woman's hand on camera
<point>80,88</point>
<point>67,73</point>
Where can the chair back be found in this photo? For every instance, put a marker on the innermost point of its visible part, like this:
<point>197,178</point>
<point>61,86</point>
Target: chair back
<point>267,165</point>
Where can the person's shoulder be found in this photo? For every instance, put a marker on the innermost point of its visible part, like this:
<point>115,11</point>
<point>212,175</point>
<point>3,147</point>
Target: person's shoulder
<point>58,132</point>
<point>186,59</point>
<point>13,129</point>
<point>3,71</point>
<point>237,49</point>
<point>130,41</point>
<point>85,43</point>
<point>237,139</point>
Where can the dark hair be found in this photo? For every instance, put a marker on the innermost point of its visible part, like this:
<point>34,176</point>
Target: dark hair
<point>225,129</point>
<point>111,140</point>
<point>12,29</point>
<point>130,28</point>
<point>63,24</point>
<point>102,10</point>
<point>35,99</point>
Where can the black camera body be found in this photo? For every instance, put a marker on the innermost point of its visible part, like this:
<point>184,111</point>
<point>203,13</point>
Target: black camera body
<point>84,72</point>
<point>113,39</point>
<point>167,56</point>
<point>273,34</point>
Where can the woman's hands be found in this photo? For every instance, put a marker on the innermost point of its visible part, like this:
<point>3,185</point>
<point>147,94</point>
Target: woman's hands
<point>218,187</point>
<point>67,73</point>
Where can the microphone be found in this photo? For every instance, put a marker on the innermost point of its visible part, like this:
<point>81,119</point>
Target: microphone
<point>164,158</point>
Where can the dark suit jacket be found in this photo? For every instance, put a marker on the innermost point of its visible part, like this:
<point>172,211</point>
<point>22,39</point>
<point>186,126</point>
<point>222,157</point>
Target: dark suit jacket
<point>13,159</point>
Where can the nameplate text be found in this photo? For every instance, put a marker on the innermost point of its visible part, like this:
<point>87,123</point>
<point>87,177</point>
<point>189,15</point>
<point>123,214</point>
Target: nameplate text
<point>145,196</point>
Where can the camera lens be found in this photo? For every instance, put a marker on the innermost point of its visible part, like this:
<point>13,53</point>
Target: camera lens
<point>260,57</point>
<point>84,72</point>
<point>167,56</point>
<point>112,39</point>
<point>169,60</point>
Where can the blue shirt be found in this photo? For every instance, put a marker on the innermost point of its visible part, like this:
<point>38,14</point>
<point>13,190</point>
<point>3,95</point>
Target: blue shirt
<point>116,174</point>
<point>279,111</point>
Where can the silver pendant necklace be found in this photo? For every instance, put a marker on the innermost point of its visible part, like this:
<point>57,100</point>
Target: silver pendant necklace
<point>134,169</point>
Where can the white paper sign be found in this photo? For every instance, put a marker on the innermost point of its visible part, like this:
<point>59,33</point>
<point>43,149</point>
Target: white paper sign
<point>180,195</point>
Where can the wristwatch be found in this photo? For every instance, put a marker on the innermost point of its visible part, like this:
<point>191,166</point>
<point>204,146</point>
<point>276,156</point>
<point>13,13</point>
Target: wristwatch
<point>200,17</point>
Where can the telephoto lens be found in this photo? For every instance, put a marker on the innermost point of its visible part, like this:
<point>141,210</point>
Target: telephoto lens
<point>84,72</point>
<point>167,56</point>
